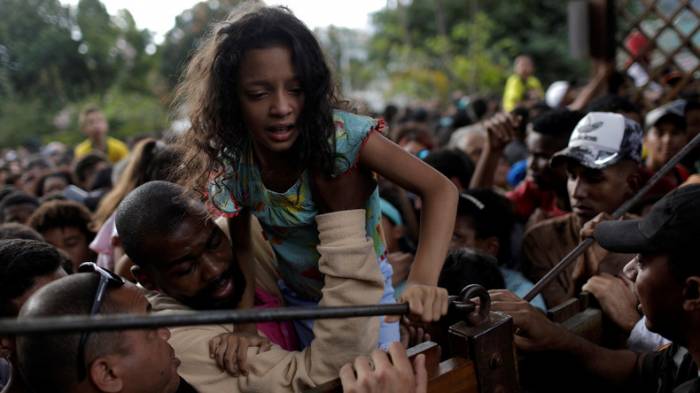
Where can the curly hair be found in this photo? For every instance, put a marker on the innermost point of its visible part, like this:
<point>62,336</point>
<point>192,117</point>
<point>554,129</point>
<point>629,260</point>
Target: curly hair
<point>150,160</point>
<point>207,93</point>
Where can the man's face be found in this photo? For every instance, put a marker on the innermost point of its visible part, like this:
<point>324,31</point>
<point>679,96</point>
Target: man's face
<point>660,295</point>
<point>540,149</point>
<point>72,241</point>
<point>54,184</point>
<point>663,141</point>
<point>95,126</point>
<point>195,265</point>
<point>464,236</point>
<point>148,362</point>
<point>30,178</point>
<point>593,191</point>
<point>524,66</point>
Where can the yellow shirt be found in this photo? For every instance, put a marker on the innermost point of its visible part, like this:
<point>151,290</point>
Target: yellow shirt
<point>116,149</point>
<point>515,90</point>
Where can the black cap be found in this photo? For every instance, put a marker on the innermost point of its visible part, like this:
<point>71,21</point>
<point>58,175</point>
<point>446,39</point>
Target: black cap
<point>672,224</point>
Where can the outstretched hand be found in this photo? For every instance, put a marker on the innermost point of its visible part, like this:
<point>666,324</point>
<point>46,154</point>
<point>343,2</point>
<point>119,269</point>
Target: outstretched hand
<point>231,351</point>
<point>380,374</point>
<point>426,302</point>
<point>534,332</point>
<point>501,130</point>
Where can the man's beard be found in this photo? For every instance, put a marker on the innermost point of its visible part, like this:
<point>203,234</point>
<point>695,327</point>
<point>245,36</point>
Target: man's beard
<point>204,300</point>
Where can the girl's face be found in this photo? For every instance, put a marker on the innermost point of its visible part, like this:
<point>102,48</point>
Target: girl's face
<point>271,98</point>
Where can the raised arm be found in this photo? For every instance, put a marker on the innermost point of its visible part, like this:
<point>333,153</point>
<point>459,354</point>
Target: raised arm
<point>439,208</point>
<point>500,130</point>
<point>537,333</point>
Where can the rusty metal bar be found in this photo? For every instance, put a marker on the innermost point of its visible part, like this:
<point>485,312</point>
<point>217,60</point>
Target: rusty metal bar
<point>79,323</point>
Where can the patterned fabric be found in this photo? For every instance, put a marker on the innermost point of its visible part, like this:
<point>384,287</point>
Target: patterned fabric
<point>288,218</point>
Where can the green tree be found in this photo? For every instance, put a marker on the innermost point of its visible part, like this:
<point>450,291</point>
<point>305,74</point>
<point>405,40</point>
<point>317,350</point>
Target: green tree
<point>471,43</point>
<point>190,26</point>
<point>38,57</point>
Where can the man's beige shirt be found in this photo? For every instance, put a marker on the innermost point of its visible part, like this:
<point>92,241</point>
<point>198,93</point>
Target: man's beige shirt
<point>352,277</point>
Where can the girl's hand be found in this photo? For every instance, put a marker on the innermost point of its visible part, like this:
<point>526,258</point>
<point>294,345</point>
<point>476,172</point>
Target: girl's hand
<point>425,301</point>
<point>231,350</point>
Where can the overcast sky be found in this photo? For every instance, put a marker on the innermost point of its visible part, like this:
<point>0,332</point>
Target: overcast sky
<point>159,16</point>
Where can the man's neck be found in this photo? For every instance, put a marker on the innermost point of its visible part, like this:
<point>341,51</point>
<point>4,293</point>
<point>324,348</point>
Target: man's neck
<point>99,143</point>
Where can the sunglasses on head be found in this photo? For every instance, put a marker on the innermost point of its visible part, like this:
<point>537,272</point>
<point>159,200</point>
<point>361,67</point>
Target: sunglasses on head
<point>107,278</point>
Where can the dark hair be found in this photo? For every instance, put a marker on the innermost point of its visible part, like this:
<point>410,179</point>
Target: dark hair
<point>22,261</point>
<point>86,164</point>
<point>415,132</point>
<point>154,208</point>
<point>38,162</point>
<point>15,230</point>
<point>452,163</point>
<point>39,191</point>
<point>465,266</point>
<point>150,160</point>
<point>208,91</point>
<point>558,123</point>
<point>691,104</point>
<point>48,362</point>
<point>613,103</point>
<point>5,191</point>
<point>14,199</point>
<point>683,263</point>
<point>491,214</point>
<point>62,214</point>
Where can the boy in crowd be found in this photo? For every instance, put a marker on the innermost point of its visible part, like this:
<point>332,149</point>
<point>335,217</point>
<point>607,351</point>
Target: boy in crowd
<point>666,276</point>
<point>485,222</point>
<point>17,207</point>
<point>66,226</point>
<point>25,266</point>
<point>522,88</point>
<point>94,125</point>
<point>602,162</point>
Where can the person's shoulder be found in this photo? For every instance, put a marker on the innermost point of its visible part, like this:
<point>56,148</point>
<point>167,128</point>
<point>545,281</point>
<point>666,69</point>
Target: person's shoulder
<point>354,125</point>
<point>551,224</point>
<point>351,133</point>
<point>83,147</point>
<point>116,143</point>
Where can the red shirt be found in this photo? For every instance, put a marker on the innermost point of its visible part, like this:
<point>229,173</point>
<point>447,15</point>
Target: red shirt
<point>527,197</point>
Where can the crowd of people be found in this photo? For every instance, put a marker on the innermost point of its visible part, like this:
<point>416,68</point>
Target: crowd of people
<point>281,194</point>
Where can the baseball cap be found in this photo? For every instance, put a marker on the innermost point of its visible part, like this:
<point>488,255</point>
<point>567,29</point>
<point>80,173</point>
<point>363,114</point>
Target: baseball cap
<point>672,223</point>
<point>555,93</point>
<point>674,109</point>
<point>602,139</point>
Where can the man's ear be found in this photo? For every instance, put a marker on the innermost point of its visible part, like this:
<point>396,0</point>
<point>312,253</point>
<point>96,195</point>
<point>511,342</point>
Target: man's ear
<point>142,277</point>
<point>105,374</point>
<point>691,294</point>
<point>635,181</point>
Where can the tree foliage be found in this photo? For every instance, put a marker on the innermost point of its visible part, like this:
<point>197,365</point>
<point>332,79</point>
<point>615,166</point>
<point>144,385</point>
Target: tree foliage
<point>428,47</point>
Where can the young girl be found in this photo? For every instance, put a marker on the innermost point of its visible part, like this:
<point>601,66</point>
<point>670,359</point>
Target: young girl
<point>265,118</point>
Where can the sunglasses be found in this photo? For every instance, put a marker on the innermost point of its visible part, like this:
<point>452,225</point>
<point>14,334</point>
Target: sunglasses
<point>107,278</point>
